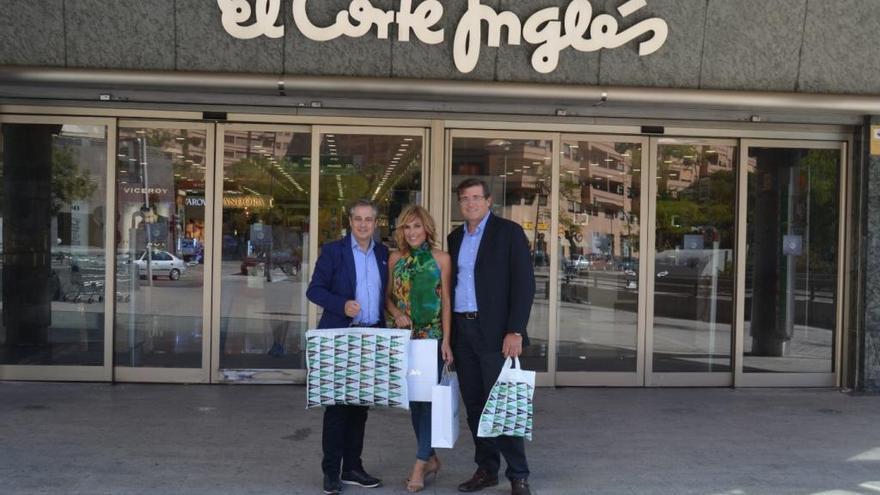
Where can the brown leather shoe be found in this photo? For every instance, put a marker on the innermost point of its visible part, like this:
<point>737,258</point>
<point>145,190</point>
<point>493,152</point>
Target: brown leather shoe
<point>520,487</point>
<point>481,479</point>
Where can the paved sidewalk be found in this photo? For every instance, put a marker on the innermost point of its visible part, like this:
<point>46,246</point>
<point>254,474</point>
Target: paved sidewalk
<point>176,439</point>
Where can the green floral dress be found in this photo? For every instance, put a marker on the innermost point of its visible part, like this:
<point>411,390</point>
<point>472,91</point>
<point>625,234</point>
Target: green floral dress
<point>416,290</point>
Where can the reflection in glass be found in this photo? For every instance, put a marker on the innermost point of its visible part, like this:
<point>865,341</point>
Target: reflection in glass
<point>519,175</point>
<point>791,260</point>
<point>52,244</point>
<point>694,260</point>
<point>385,169</point>
<point>263,311</point>
<point>599,213</point>
<point>160,243</point>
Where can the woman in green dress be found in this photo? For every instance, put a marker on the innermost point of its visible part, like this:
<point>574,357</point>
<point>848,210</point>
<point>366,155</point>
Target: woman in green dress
<point>418,298</point>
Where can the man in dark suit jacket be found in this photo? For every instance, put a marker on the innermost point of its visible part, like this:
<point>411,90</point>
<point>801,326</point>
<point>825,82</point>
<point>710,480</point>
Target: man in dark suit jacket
<point>349,283</point>
<point>492,298</point>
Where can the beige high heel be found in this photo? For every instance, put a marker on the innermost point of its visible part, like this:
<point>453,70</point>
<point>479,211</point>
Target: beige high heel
<point>433,466</point>
<point>416,481</point>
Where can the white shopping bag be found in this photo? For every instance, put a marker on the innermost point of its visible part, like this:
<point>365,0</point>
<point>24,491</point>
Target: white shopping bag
<point>421,375</point>
<point>509,409</point>
<point>444,411</point>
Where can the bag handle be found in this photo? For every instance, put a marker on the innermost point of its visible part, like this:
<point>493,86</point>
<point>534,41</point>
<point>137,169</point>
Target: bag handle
<point>445,375</point>
<point>512,363</point>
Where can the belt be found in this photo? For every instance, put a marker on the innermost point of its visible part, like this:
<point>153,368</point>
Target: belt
<point>378,324</point>
<point>470,315</point>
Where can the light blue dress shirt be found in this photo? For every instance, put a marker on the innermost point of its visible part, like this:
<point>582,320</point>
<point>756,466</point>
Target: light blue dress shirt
<point>369,284</point>
<point>465,292</point>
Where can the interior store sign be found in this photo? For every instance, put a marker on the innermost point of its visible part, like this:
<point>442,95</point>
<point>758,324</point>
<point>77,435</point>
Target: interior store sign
<point>548,29</point>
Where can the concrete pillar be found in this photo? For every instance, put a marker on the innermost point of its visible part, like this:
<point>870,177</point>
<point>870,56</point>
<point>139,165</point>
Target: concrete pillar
<point>868,373</point>
<point>27,200</point>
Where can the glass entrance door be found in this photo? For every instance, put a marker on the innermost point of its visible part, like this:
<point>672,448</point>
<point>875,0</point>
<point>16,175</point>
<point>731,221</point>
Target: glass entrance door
<point>790,274</point>
<point>162,227</point>
<point>691,266</point>
<point>55,250</point>
<point>600,303</point>
<point>518,167</point>
<point>262,271</point>
<point>384,165</point>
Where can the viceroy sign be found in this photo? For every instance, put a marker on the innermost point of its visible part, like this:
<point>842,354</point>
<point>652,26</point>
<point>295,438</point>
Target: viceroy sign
<point>549,29</point>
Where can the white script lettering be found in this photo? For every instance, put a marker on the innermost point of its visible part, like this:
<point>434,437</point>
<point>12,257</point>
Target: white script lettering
<point>361,11</point>
<point>551,35</point>
<point>237,12</point>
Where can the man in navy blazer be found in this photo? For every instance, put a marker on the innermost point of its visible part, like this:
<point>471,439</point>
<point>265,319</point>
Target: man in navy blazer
<point>349,283</point>
<point>492,298</point>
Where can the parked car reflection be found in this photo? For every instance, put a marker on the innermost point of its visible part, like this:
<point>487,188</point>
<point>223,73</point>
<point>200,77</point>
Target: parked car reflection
<point>163,264</point>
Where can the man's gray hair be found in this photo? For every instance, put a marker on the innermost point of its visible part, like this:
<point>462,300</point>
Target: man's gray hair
<point>363,202</point>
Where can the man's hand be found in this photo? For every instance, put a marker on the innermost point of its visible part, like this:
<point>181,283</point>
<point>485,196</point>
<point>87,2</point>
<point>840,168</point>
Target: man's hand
<point>352,308</point>
<point>512,346</point>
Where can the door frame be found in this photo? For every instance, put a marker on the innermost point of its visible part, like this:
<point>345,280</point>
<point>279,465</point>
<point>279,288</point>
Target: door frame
<point>79,372</point>
<point>828,379</point>
<point>181,375</point>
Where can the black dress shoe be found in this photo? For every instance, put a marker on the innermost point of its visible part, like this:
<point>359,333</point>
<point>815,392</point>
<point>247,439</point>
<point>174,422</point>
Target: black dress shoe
<point>520,487</point>
<point>361,478</point>
<point>481,479</point>
<point>332,486</point>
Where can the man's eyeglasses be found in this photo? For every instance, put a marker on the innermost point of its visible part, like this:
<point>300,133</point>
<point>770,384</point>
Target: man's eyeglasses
<point>470,199</point>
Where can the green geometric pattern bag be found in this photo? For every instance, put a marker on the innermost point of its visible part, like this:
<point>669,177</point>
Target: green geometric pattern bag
<point>357,367</point>
<point>510,407</point>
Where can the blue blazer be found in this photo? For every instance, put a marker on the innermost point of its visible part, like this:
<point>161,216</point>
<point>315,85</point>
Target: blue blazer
<point>335,281</point>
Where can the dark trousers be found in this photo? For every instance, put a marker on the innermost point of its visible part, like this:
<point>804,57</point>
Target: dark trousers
<point>478,368</point>
<point>343,438</point>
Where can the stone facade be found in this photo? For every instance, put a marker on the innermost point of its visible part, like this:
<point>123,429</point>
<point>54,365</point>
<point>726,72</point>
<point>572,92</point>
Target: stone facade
<point>869,369</point>
<point>812,46</point>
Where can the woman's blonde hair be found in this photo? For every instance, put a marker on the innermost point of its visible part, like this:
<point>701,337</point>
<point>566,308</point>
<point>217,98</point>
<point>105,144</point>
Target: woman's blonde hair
<point>410,213</point>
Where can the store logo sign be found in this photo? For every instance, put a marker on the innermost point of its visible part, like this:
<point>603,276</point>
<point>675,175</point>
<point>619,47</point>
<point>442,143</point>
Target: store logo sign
<point>144,190</point>
<point>549,29</point>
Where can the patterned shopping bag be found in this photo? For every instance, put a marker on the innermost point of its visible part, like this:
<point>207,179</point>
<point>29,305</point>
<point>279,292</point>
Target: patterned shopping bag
<point>357,367</point>
<point>509,409</point>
